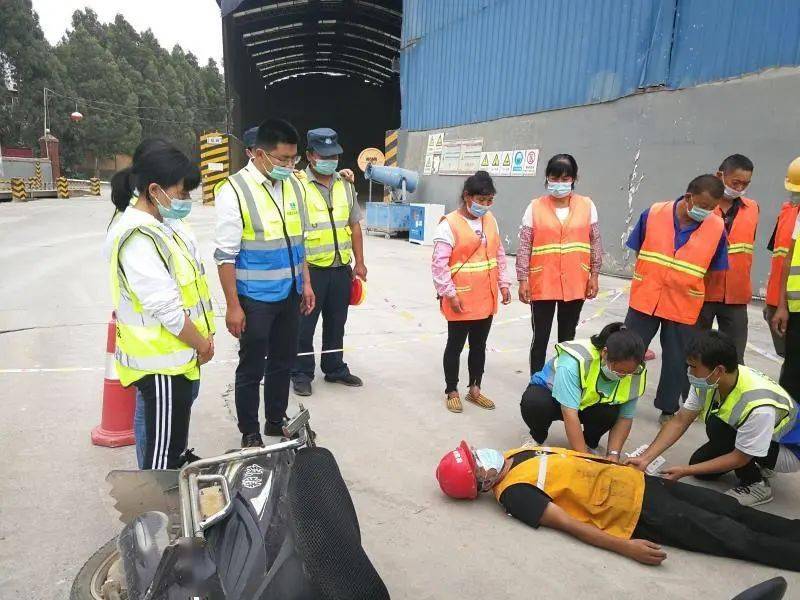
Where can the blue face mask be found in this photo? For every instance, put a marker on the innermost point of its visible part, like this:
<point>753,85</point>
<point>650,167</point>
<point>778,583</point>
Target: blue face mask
<point>278,172</point>
<point>489,459</point>
<point>326,167</point>
<point>477,210</point>
<point>698,214</point>
<point>701,383</point>
<point>178,208</point>
<point>559,189</point>
<point>608,373</point>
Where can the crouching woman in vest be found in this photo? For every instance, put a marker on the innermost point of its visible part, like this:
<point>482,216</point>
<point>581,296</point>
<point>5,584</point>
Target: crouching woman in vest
<point>165,320</point>
<point>469,266</point>
<point>592,383</point>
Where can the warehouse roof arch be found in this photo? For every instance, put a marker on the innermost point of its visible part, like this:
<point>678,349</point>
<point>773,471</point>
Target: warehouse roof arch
<point>286,38</point>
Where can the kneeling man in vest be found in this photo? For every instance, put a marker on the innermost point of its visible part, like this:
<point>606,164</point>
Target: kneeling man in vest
<point>618,508</point>
<point>750,422</point>
<point>333,239</point>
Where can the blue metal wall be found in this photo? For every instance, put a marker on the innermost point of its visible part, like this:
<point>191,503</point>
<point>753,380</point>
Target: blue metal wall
<point>466,61</point>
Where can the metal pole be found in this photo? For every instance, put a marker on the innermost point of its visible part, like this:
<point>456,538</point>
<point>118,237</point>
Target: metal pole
<point>404,190</point>
<point>46,145</point>
<point>370,191</point>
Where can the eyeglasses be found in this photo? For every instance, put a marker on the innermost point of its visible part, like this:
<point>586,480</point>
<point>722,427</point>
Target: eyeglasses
<point>284,162</point>
<point>639,370</point>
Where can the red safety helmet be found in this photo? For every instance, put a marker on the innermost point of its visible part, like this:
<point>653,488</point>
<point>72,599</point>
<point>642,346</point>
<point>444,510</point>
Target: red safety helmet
<point>456,473</point>
<point>358,291</point>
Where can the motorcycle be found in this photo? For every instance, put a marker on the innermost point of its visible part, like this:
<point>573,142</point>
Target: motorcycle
<point>253,524</point>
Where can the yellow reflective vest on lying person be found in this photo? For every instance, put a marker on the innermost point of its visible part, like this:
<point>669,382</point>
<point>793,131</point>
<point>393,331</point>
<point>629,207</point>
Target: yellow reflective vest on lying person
<point>589,361</point>
<point>144,346</point>
<point>753,389</point>
<point>589,489</point>
<point>271,255</point>
<point>328,227</point>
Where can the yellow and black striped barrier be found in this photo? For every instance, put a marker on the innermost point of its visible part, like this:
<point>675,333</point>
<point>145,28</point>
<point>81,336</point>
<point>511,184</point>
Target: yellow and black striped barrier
<point>391,159</point>
<point>62,187</point>
<point>94,186</point>
<point>18,193</point>
<point>214,162</point>
<point>37,176</point>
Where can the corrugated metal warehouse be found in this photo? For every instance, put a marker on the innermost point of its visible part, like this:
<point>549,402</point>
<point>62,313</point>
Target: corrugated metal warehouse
<point>645,94</point>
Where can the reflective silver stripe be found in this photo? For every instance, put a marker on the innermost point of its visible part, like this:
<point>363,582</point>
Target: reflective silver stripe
<point>794,270</point>
<point>541,476</point>
<point>298,193</point>
<point>260,275</point>
<point>220,255</point>
<point>127,315</point>
<point>586,357</point>
<point>348,189</point>
<point>633,393</point>
<point>296,240</point>
<point>738,413</point>
<point>327,248</point>
<point>276,244</point>
<point>792,295</point>
<point>326,225</point>
<point>255,218</point>
<point>155,363</point>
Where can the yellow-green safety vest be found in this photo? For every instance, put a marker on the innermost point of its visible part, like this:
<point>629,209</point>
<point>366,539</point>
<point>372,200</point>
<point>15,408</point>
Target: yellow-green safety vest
<point>328,227</point>
<point>144,346</point>
<point>753,389</point>
<point>793,281</point>
<point>272,252</point>
<point>589,360</point>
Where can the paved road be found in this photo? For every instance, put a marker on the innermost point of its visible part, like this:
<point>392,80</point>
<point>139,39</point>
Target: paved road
<point>387,436</point>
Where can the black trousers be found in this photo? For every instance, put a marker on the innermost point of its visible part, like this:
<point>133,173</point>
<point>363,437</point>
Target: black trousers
<point>270,331</point>
<point>542,312</point>
<point>675,337</point>
<point>332,289</point>
<point>167,407</point>
<point>539,409</point>
<point>731,319</point>
<point>457,333</point>
<point>722,440</point>
<point>702,520</point>
<point>790,373</point>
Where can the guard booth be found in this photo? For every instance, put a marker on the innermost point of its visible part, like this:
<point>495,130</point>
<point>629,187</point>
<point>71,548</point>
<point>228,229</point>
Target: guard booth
<point>316,64</point>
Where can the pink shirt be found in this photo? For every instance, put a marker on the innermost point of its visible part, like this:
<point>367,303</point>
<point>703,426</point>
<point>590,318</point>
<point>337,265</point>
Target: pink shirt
<point>440,267</point>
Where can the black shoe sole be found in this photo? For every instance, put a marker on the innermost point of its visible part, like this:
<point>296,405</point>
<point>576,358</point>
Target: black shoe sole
<point>342,382</point>
<point>303,393</point>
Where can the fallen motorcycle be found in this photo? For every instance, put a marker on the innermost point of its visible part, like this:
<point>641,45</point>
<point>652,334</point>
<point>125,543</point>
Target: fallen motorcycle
<point>253,524</point>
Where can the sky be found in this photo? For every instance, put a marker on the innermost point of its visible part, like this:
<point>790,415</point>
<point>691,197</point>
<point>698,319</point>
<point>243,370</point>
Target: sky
<point>194,24</point>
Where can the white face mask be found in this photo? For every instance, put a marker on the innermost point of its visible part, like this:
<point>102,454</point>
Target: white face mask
<point>732,194</point>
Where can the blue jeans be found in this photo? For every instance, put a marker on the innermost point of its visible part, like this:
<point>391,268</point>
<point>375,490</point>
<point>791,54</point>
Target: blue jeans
<point>139,432</point>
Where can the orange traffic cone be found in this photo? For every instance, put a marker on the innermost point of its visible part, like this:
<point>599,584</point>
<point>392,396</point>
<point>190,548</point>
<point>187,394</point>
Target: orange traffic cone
<point>116,425</point>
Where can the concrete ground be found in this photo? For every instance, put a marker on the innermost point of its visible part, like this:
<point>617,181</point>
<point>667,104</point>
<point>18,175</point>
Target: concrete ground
<point>387,436</point>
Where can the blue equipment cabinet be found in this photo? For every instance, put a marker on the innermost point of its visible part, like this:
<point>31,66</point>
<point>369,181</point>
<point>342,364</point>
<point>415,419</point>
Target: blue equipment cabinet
<point>388,218</point>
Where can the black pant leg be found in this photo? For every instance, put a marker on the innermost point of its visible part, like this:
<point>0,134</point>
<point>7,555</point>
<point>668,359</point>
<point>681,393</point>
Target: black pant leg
<point>457,332</point>
<point>167,402</point>
<point>282,352</point>
<point>673,382</point>
<point>539,409</point>
<point>597,420</point>
<point>253,347</point>
<point>542,312</point>
<point>334,319</point>
<point>721,440</point>
<point>569,313</point>
<point>732,320</point>
<point>643,324</point>
<point>673,516</point>
<point>708,313</point>
<point>476,360</point>
<point>305,365</point>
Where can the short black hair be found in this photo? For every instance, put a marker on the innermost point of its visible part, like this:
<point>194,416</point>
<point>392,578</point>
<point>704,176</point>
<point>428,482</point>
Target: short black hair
<point>620,343</point>
<point>480,184</point>
<point>714,348</point>
<point>706,183</point>
<point>275,131</point>
<point>560,165</point>
<point>735,162</point>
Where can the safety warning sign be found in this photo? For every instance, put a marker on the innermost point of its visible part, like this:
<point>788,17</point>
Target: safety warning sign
<point>494,163</point>
<point>531,160</point>
<point>505,162</point>
<point>517,163</point>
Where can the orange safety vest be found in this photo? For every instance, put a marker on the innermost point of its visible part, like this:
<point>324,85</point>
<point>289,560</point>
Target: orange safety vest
<point>588,488</point>
<point>559,267</point>
<point>780,249</point>
<point>733,286</point>
<point>473,267</point>
<point>669,284</point>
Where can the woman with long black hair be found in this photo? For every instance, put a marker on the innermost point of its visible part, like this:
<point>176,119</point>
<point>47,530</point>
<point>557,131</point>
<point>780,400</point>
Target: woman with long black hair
<point>165,321</point>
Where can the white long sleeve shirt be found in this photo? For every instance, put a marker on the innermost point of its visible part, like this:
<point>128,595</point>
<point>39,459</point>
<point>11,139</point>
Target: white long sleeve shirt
<point>228,237</point>
<point>144,269</point>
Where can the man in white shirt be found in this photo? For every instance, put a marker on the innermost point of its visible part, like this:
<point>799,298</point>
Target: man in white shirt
<point>748,417</point>
<point>262,268</point>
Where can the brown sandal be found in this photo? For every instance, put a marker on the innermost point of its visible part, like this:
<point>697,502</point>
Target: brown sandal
<point>453,403</point>
<point>481,401</point>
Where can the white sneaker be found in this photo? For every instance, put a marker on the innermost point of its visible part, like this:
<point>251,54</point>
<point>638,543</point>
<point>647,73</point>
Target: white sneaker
<point>754,494</point>
<point>766,472</point>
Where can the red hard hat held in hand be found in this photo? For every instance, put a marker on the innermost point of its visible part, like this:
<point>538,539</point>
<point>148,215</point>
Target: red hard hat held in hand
<point>456,473</point>
<point>358,292</point>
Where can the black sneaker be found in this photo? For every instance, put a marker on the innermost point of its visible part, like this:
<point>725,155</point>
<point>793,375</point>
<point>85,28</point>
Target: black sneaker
<point>349,380</point>
<point>302,388</point>
<point>252,440</point>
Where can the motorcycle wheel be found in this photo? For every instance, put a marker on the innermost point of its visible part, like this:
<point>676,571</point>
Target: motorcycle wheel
<point>90,582</point>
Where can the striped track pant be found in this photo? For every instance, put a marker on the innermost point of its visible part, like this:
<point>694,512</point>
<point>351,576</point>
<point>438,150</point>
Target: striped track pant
<point>167,402</point>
